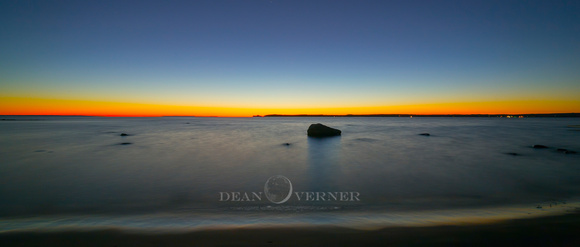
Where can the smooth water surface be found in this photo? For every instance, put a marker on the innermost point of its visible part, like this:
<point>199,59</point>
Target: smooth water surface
<point>59,167</point>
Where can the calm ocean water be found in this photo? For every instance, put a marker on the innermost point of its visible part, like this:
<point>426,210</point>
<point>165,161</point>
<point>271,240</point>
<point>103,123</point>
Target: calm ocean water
<point>76,172</point>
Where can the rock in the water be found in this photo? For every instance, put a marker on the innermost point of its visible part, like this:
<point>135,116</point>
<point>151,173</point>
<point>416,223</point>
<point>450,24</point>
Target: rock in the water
<point>123,134</point>
<point>286,144</point>
<point>566,151</point>
<point>513,154</point>
<point>126,143</point>
<point>424,134</point>
<point>539,146</point>
<point>321,130</point>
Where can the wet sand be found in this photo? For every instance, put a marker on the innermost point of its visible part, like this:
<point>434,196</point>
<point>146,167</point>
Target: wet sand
<point>562,230</point>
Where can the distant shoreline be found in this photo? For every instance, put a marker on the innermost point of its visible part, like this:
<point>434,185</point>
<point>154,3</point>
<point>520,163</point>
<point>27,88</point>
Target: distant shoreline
<point>533,115</point>
<point>433,115</point>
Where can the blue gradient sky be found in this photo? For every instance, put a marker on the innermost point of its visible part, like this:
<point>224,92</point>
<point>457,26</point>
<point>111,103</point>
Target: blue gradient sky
<point>290,54</point>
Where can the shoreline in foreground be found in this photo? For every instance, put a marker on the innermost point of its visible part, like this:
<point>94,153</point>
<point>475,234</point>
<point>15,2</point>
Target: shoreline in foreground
<point>560,230</point>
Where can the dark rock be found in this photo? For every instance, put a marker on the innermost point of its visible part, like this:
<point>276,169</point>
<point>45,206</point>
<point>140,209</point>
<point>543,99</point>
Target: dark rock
<point>126,143</point>
<point>513,154</point>
<point>424,134</point>
<point>539,146</point>
<point>123,134</point>
<point>320,130</point>
<point>286,144</point>
<point>566,151</point>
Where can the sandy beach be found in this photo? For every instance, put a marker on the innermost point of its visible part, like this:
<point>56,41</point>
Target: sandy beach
<point>559,230</point>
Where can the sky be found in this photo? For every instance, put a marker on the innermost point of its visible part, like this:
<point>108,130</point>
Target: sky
<point>244,58</point>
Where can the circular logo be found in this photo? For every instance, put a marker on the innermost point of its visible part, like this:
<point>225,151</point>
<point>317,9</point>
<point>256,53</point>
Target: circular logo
<point>278,189</point>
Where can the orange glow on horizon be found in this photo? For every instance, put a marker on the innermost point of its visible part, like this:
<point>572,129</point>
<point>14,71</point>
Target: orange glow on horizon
<point>41,106</point>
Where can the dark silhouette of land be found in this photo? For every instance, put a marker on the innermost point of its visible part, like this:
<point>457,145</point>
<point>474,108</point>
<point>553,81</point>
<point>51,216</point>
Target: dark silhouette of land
<point>435,115</point>
<point>535,115</point>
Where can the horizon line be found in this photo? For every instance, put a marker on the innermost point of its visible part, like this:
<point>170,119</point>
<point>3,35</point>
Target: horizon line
<point>561,114</point>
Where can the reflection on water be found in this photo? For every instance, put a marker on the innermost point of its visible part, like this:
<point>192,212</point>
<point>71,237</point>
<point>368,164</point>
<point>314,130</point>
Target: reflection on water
<point>323,162</point>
